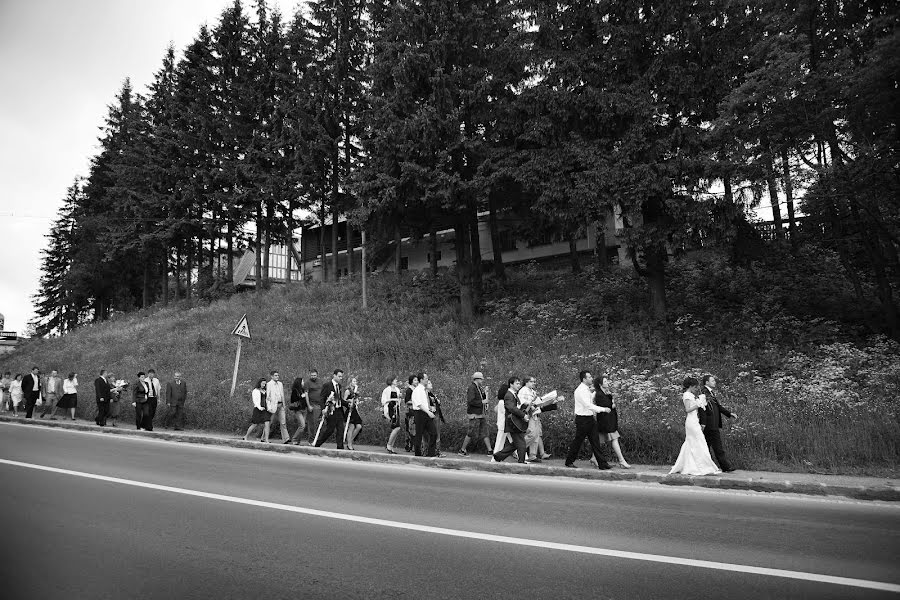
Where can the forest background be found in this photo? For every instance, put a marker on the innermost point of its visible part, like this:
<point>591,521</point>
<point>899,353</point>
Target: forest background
<point>680,116</point>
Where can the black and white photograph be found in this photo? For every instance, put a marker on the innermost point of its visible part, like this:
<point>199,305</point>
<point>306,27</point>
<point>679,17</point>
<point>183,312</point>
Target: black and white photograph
<point>449,299</point>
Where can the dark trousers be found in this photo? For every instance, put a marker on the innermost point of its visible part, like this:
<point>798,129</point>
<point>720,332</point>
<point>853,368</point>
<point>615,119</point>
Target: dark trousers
<point>150,413</point>
<point>714,441</point>
<point>333,424</point>
<point>102,411</point>
<point>425,425</point>
<point>586,427</point>
<point>30,402</point>
<point>516,445</point>
<point>140,414</point>
<point>174,416</point>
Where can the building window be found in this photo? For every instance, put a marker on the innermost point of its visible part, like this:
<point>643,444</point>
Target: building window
<point>545,239</point>
<point>507,241</point>
<point>404,263</point>
<point>438,256</point>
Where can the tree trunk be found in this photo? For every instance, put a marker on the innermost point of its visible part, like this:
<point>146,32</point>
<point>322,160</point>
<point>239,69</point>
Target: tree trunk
<point>499,269</point>
<point>258,258</point>
<point>290,242</point>
<point>165,278</point>
<point>324,260</point>
<point>398,251</point>
<point>789,198</point>
<point>213,238</point>
<point>335,198</point>
<point>602,254</point>
<point>434,249</point>
<point>573,254</point>
<point>656,281</point>
<point>189,269</point>
<point>475,240</point>
<point>177,273</point>
<point>267,251</point>
<point>463,269</point>
<point>229,263</point>
<point>773,193</point>
<point>145,298</point>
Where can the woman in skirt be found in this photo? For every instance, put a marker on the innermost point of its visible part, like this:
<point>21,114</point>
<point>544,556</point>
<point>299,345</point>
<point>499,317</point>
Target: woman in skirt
<point>354,421</point>
<point>261,415</point>
<point>16,395</point>
<point>608,422</point>
<point>390,406</point>
<point>69,398</point>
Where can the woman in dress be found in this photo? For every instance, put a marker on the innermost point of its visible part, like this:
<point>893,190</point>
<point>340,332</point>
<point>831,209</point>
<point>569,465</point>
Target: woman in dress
<point>608,422</point>
<point>16,395</point>
<point>500,440</point>
<point>5,400</point>
<point>694,458</point>
<point>354,421</point>
<point>115,395</point>
<point>390,406</point>
<point>299,406</point>
<point>70,395</point>
<point>261,414</point>
<point>435,405</point>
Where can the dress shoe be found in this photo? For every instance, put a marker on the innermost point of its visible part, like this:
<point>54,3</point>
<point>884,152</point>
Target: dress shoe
<point>571,466</point>
<point>604,466</point>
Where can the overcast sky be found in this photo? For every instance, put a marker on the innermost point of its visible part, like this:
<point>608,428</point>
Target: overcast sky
<point>63,62</point>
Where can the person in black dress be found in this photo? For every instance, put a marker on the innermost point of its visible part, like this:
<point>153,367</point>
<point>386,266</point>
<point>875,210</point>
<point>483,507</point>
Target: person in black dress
<point>608,423</point>
<point>261,414</point>
<point>354,421</point>
<point>390,407</point>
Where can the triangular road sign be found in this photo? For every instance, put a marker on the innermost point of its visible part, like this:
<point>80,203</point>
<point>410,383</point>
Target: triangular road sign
<point>242,328</point>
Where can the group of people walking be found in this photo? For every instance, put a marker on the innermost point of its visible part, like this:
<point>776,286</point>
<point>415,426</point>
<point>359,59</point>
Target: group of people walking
<point>53,393</point>
<point>329,408</point>
<point>32,390</point>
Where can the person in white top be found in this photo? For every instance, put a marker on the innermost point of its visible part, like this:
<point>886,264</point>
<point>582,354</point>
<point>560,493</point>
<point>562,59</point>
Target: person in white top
<point>69,398</point>
<point>586,423</point>
<point>16,395</point>
<point>694,458</point>
<point>390,406</point>
<point>52,388</point>
<point>275,398</point>
<point>424,418</point>
<point>153,389</point>
<point>260,411</point>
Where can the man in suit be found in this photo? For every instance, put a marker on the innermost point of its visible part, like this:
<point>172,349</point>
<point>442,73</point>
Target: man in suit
<point>332,397</point>
<point>424,417</point>
<point>516,443</point>
<point>176,394</point>
<point>711,422</point>
<point>139,400</point>
<point>103,396</point>
<point>154,387</point>
<point>31,389</point>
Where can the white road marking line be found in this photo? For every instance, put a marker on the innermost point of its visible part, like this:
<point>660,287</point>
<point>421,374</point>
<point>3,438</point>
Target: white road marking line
<point>767,497</point>
<point>657,558</point>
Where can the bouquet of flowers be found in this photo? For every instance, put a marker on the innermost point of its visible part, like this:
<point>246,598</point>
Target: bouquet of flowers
<point>119,386</point>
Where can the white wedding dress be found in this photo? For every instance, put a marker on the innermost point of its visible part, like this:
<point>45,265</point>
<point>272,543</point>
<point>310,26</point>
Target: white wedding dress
<point>694,458</point>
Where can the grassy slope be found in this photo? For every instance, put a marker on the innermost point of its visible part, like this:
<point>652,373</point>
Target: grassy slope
<point>533,327</point>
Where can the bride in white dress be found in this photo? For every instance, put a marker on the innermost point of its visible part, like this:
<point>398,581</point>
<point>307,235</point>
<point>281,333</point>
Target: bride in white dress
<point>694,458</point>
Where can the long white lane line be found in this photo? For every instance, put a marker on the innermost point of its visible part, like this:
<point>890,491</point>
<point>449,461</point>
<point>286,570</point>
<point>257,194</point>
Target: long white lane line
<point>657,558</point>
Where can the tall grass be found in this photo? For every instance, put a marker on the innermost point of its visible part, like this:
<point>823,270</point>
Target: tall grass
<point>541,323</point>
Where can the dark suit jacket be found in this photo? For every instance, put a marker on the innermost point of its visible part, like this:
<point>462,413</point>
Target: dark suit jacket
<point>139,392</point>
<point>474,399</point>
<point>511,405</point>
<point>176,393</point>
<point>327,389</point>
<point>711,416</point>
<point>31,387</point>
<point>102,389</point>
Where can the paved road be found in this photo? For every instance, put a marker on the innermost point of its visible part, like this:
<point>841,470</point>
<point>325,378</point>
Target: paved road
<point>157,519</point>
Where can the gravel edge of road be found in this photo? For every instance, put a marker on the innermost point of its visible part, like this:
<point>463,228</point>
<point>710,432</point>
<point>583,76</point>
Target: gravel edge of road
<point>724,482</point>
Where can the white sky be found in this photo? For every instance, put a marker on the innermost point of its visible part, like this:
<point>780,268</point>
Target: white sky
<point>63,62</point>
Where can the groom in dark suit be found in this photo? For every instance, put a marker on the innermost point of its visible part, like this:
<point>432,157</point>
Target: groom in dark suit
<point>103,395</point>
<point>332,393</point>
<point>711,422</point>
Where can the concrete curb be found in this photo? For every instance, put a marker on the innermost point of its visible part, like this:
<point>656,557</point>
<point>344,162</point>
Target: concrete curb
<point>885,492</point>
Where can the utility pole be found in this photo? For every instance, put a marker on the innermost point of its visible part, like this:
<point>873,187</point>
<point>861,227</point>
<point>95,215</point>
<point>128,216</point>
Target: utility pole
<point>364,299</point>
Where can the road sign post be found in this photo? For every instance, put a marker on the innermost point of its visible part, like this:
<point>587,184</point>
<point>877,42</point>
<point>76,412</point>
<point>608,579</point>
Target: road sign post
<point>242,330</point>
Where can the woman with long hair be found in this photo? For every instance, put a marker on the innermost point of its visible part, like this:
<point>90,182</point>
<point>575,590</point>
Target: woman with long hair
<point>390,407</point>
<point>354,421</point>
<point>299,405</point>
<point>16,395</point>
<point>694,458</point>
<point>70,395</point>
<point>261,414</point>
<point>608,423</point>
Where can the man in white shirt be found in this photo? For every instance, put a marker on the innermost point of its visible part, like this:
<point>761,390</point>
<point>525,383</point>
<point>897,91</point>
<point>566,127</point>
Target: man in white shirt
<point>586,423</point>
<point>275,396</point>
<point>424,418</point>
<point>153,389</point>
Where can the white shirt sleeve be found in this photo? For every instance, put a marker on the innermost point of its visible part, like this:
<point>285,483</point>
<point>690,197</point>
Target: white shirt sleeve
<point>256,396</point>
<point>584,405</point>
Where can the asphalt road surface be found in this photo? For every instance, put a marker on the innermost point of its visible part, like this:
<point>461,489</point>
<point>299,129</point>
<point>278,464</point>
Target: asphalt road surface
<point>88,515</point>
